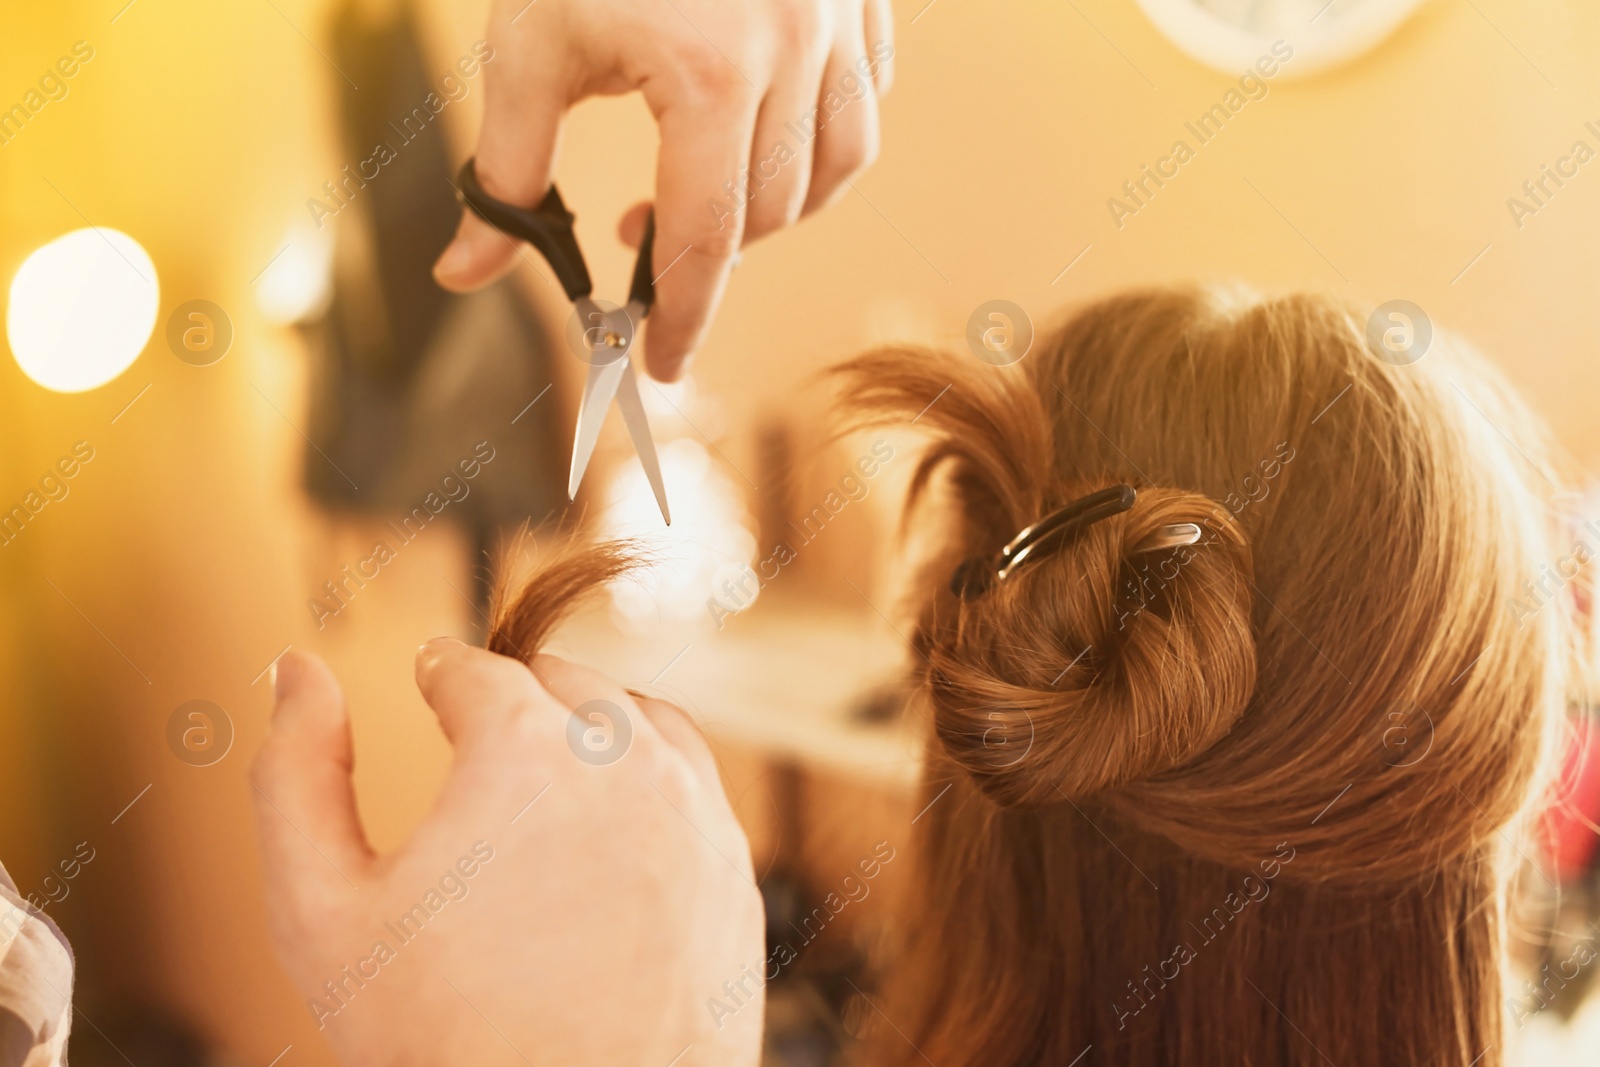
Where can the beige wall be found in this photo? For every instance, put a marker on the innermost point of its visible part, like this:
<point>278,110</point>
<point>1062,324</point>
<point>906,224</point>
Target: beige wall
<point>184,554</point>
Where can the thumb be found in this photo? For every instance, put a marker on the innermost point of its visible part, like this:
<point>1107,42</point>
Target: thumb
<point>311,835</point>
<point>524,100</point>
<point>477,255</point>
<point>630,228</point>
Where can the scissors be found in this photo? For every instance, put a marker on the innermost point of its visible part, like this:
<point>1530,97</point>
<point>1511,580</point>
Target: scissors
<point>608,336</point>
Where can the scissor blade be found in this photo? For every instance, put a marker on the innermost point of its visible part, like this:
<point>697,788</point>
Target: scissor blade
<point>597,393</point>
<point>632,409</point>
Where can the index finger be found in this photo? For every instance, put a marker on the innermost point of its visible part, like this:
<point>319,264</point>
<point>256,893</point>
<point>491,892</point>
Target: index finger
<point>476,693</point>
<point>701,173</point>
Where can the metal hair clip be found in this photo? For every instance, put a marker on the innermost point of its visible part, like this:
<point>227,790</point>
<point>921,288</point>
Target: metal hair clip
<point>976,576</point>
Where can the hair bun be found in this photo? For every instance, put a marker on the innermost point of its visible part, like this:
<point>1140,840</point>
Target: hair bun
<point>1097,666</point>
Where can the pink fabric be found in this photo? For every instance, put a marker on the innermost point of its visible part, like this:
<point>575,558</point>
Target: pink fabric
<point>1575,815</point>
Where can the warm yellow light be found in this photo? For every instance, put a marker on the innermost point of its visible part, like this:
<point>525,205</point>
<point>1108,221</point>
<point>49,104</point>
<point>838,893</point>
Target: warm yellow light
<point>298,284</point>
<point>693,564</point>
<point>81,309</point>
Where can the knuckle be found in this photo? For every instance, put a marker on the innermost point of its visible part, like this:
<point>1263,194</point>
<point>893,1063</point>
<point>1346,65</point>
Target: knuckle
<point>801,22</point>
<point>717,243</point>
<point>708,74</point>
<point>671,774</point>
<point>850,157</point>
<point>526,728</point>
<point>771,217</point>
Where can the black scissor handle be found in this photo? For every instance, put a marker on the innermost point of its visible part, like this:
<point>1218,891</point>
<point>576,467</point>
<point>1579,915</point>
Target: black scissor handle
<point>643,289</point>
<point>548,228</point>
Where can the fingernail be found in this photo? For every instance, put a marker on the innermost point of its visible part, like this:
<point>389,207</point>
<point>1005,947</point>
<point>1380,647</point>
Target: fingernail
<point>434,642</point>
<point>454,260</point>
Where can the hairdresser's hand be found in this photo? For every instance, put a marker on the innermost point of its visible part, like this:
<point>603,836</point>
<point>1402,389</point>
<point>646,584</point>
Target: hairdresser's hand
<point>736,88</point>
<point>550,910</point>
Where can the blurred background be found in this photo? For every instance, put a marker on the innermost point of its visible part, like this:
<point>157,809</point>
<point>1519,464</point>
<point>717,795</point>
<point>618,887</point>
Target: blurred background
<point>282,434</point>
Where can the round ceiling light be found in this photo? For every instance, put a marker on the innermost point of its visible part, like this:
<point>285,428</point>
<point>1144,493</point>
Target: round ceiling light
<point>1231,35</point>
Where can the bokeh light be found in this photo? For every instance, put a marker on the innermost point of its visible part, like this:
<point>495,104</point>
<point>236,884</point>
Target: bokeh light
<point>81,309</point>
<point>298,284</point>
<point>687,561</point>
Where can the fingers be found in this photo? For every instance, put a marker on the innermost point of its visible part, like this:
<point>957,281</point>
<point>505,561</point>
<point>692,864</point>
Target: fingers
<point>524,100</point>
<point>651,719</point>
<point>879,24</point>
<point>576,685</point>
<point>780,155</point>
<point>679,731</point>
<point>306,809</point>
<point>477,255</point>
<point>474,691</point>
<point>705,142</point>
<point>848,115</point>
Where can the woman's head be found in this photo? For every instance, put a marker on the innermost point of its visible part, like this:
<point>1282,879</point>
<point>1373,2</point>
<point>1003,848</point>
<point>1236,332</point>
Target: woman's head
<point>1333,684</point>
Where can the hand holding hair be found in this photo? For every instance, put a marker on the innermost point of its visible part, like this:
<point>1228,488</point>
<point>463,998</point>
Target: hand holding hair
<point>548,910</point>
<point>1150,703</point>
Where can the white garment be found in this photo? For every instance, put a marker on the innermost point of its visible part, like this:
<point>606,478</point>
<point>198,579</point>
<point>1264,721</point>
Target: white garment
<point>35,984</point>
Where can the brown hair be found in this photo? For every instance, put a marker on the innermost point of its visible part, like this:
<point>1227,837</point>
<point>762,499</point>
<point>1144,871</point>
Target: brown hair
<point>1250,801</point>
